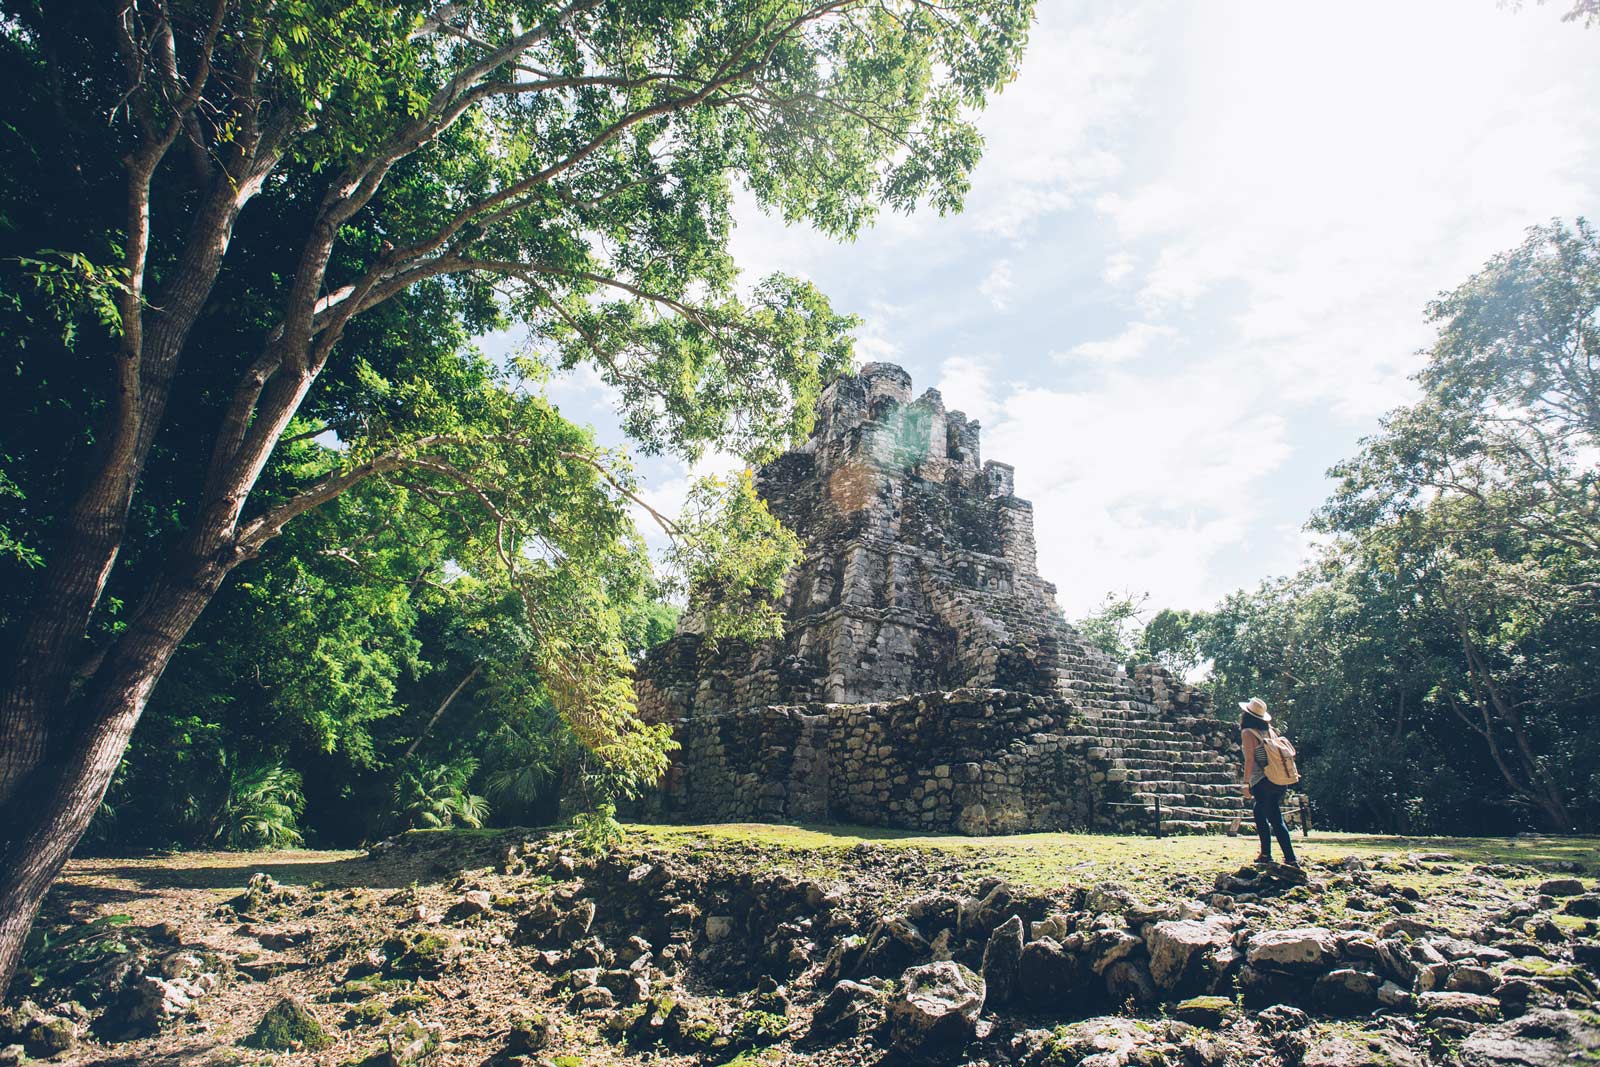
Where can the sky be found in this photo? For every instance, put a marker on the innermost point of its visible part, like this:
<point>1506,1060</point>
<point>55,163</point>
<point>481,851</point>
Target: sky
<point>1192,271</point>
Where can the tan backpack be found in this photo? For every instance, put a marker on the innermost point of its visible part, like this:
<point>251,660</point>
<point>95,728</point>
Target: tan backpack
<point>1279,753</point>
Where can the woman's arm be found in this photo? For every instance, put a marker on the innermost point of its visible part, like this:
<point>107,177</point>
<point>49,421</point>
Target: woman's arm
<point>1247,742</point>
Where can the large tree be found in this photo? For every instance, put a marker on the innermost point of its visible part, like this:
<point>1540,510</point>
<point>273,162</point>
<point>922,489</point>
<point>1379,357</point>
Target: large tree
<point>1445,649</point>
<point>570,164</point>
<point>1484,497</point>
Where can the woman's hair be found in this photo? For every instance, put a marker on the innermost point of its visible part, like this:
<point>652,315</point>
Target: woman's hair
<point>1248,721</point>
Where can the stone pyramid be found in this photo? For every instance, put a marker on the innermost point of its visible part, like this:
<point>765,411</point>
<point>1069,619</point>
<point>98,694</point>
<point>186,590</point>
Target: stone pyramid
<point>926,678</point>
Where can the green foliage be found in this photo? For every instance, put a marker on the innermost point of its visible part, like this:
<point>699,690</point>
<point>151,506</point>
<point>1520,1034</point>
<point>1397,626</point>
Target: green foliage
<point>74,286</point>
<point>9,545</point>
<point>1443,651</point>
<point>262,809</point>
<point>437,797</point>
<point>583,195</point>
<point>734,556</point>
<point>1116,626</point>
<point>1123,629</point>
<point>597,829</point>
<point>1172,639</point>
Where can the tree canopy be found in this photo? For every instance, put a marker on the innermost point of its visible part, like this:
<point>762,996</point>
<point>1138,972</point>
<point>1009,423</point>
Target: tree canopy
<point>246,248</point>
<point>1444,650</point>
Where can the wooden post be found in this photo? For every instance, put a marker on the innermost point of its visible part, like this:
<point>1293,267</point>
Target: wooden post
<point>1305,816</point>
<point>1158,817</point>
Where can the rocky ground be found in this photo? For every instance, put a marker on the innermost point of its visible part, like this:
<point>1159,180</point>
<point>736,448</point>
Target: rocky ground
<point>768,946</point>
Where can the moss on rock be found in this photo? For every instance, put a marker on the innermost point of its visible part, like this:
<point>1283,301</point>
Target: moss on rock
<point>289,1025</point>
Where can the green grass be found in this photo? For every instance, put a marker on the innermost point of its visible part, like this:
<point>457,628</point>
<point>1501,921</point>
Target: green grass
<point>1032,860</point>
<point>1053,859</point>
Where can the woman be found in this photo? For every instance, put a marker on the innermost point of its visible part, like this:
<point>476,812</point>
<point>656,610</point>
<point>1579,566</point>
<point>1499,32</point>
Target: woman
<point>1266,796</point>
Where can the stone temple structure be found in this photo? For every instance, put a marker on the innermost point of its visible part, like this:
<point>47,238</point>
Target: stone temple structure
<point>926,678</point>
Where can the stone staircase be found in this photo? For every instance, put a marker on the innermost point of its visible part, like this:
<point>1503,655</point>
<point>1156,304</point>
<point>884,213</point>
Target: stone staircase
<point>1185,763</point>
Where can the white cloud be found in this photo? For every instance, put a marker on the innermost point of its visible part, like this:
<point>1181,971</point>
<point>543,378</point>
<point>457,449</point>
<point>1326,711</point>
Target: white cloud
<point>967,385</point>
<point>996,287</point>
<point>1240,210</point>
<point>874,337</point>
<point>1138,486</point>
<point>1052,137</point>
<point>1118,266</point>
<point>1126,346</point>
<point>1324,212</point>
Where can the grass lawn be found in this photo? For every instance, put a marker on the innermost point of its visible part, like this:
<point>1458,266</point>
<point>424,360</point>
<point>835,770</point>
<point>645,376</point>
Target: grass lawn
<point>1045,860</point>
<point>1040,861</point>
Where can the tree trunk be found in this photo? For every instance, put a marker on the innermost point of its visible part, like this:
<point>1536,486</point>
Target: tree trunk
<point>1541,788</point>
<point>441,709</point>
<point>45,821</point>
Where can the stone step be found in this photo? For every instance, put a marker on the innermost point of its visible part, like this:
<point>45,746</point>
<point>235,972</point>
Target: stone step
<point>1152,729</point>
<point>1177,797</point>
<point>1220,779</point>
<point>1209,788</point>
<point>1188,761</point>
<point>1174,746</point>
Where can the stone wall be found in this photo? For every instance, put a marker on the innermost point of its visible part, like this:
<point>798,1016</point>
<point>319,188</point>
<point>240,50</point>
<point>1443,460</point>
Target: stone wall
<point>968,760</point>
<point>974,761</point>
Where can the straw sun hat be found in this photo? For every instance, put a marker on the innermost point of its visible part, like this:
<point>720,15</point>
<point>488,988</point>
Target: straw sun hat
<point>1257,707</point>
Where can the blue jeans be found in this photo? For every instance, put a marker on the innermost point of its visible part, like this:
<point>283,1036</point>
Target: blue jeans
<point>1270,822</point>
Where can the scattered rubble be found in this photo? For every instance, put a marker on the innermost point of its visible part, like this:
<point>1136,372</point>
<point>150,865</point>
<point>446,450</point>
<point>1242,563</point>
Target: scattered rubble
<point>694,955</point>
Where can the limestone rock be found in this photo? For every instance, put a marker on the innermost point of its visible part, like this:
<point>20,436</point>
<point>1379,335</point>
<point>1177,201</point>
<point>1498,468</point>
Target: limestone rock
<point>1395,961</point>
<point>633,949</point>
<point>1181,951</point>
<point>1048,974</point>
<point>1114,1041</point>
<point>1207,1011</point>
<point>38,1032</point>
<point>1002,960</point>
<point>153,1003</point>
<point>1374,1049</point>
<point>1392,996</point>
<point>593,998</point>
<point>935,1010</point>
<point>894,944</point>
<point>474,902</point>
<point>1585,907</point>
<point>528,1035</point>
<point>1108,946</point>
<point>1466,1006</point>
<point>1346,991</point>
<point>1471,980</point>
<point>1281,1019</point>
<point>408,1042</point>
<point>576,923</point>
<point>1128,982</point>
<point>846,1009</point>
<point>290,1025</point>
<point>1537,1039</point>
<point>1305,949</point>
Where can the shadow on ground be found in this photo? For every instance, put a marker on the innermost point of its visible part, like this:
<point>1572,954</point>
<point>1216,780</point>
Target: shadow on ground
<point>420,857</point>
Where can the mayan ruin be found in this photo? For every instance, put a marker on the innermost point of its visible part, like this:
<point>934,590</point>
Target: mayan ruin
<point>926,678</point>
